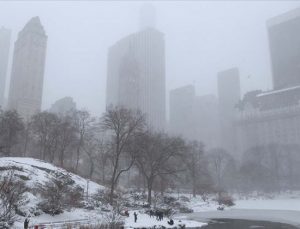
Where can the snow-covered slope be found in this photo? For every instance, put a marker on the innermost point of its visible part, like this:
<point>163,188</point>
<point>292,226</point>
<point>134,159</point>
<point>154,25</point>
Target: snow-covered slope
<point>36,172</point>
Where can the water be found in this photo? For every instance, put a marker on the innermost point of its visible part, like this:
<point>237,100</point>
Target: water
<point>245,224</point>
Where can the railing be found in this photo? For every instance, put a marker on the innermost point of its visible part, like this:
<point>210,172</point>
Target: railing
<point>65,224</point>
<point>73,224</point>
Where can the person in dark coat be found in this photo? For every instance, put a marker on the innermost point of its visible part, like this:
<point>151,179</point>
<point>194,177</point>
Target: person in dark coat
<point>135,217</point>
<point>170,222</point>
<point>26,223</point>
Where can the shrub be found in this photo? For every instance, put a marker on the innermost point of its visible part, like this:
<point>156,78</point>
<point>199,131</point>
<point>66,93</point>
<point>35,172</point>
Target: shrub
<point>226,200</point>
<point>184,209</point>
<point>58,194</point>
<point>11,198</point>
<point>169,200</point>
<point>184,199</point>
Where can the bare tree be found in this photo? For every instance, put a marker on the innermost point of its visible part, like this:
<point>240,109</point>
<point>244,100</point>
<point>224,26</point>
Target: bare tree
<point>219,159</point>
<point>11,197</point>
<point>121,126</point>
<point>45,129</point>
<point>197,167</point>
<point>156,157</point>
<point>82,121</point>
<point>66,137</point>
<point>10,126</point>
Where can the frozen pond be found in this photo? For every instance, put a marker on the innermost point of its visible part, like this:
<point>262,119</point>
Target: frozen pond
<point>245,224</point>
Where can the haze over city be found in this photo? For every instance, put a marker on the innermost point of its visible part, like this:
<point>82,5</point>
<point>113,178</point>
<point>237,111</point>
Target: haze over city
<point>150,114</point>
<point>202,38</point>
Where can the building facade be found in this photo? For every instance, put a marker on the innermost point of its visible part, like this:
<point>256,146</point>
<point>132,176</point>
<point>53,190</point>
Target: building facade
<point>136,75</point>
<point>27,77</point>
<point>271,117</point>
<point>63,106</point>
<point>194,117</point>
<point>284,37</point>
<point>229,96</point>
<point>5,36</point>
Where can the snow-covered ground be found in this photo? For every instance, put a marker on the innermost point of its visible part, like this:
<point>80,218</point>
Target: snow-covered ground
<point>38,172</point>
<point>144,220</point>
<point>281,208</point>
<point>35,173</point>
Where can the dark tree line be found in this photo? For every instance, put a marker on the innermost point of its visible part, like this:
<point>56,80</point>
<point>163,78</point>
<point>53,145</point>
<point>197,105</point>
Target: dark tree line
<point>119,149</point>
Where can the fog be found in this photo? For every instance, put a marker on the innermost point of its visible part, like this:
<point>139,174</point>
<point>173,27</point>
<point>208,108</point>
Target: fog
<point>201,38</point>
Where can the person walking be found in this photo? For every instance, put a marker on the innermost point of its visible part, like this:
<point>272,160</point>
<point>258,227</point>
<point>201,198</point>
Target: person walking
<point>26,223</point>
<point>135,217</point>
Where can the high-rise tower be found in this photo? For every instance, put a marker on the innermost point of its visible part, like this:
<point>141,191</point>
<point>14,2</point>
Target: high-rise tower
<point>5,35</point>
<point>229,96</point>
<point>136,75</point>
<point>27,77</point>
<point>284,42</point>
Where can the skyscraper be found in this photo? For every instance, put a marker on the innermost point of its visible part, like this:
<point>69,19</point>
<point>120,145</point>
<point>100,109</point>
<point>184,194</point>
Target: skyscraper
<point>136,75</point>
<point>182,102</point>
<point>284,42</point>
<point>5,35</point>
<point>194,117</point>
<point>229,96</point>
<point>26,85</point>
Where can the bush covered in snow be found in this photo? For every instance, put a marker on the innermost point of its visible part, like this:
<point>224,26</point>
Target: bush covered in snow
<point>11,198</point>
<point>59,194</point>
<point>225,199</point>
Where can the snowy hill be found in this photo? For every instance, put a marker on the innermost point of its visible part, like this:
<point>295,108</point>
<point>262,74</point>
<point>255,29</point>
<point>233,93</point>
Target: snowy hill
<point>37,172</point>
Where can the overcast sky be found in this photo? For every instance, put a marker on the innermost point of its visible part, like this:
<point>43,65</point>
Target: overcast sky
<point>201,37</point>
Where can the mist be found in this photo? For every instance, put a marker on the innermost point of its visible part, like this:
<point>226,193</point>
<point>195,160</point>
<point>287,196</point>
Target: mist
<point>202,38</point>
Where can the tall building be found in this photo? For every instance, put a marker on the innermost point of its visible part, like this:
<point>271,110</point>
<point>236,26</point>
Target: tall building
<point>136,75</point>
<point>5,36</point>
<point>206,119</point>
<point>229,96</point>
<point>63,105</point>
<point>26,85</point>
<point>284,37</point>
<point>271,117</point>
<point>182,102</point>
<point>194,117</point>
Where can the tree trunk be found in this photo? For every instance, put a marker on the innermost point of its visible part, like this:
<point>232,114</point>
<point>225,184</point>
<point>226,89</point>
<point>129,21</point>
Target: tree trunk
<point>91,169</point>
<point>77,158</point>
<point>113,181</point>
<point>149,186</point>
<point>149,194</point>
<point>194,187</point>
<point>103,174</point>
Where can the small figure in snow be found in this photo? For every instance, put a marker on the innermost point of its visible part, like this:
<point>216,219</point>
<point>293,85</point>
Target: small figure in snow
<point>151,213</point>
<point>181,225</point>
<point>221,208</point>
<point>170,222</point>
<point>135,217</point>
<point>126,213</point>
<point>26,223</point>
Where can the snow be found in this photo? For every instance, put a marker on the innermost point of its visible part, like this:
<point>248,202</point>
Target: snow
<point>278,91</point>
<point>284,208</point>
<point>273,204</point>
<point>36,171</point>
<point>144,220</point>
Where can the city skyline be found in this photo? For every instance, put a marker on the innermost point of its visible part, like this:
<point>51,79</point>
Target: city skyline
<point>202,67</point>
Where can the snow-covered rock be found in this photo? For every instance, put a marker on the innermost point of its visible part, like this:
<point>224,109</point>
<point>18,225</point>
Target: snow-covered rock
<point>36,172</point>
